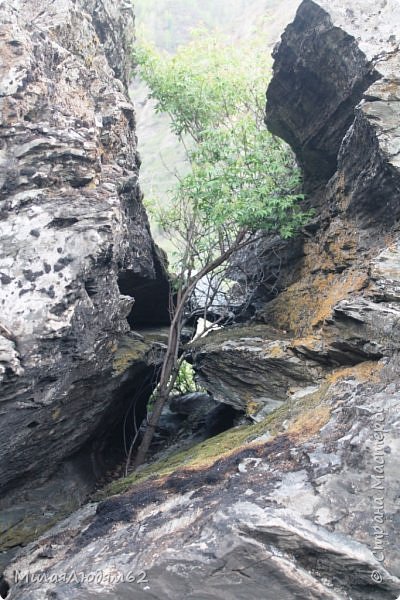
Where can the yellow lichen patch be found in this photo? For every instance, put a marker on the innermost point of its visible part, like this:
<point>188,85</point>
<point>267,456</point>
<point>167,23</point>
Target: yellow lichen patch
<point>311,341</point>
<point>275,350</point>
<point>291,310</point>
<point>342,242</point>
<point>252,407</point>
<point>304,306</point>
<point>309,422</point>
<point>329,271</point>
<point>334,289</point>
<point>363,372</point>
<point>56,413</point>
<point>128,352</point>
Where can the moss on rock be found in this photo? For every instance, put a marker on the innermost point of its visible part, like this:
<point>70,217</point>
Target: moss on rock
<point>299,418</point>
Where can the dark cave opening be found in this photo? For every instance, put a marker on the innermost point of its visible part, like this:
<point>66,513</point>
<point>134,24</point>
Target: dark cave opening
<point>222,418</point>
<point>110,445</point>
<point>119,429</point>
<point>151,299</point>
<point>120,426</point>
<point>183,430</point>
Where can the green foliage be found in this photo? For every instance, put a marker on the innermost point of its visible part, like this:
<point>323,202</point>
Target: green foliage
<point>241,180</point>
<point>207,83</point>
<point>241,177</point>
<point>185,382</point>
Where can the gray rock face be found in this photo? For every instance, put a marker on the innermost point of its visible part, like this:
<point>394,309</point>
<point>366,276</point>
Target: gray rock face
<point>251,369</point>
<point>303,504</point>
<point>328,61</point>
<point>72,227</point>
<point>298,516</point>
<point>357,198</point>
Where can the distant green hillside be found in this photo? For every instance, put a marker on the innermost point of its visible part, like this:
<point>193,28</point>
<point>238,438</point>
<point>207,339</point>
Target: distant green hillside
<point>168,23</point>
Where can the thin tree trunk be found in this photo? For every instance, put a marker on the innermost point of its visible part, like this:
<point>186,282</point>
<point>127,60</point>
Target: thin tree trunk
<point>169,373</point>
<point>150,429</point>
<point>170,368</point>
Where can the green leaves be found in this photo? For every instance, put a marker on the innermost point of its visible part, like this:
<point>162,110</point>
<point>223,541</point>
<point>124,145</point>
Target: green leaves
<point>242,178</point>
<point>206,83</point>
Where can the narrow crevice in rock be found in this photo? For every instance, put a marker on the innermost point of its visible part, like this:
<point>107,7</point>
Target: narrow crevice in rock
<point>111,443</point>
<point>189,420</point>
<point>150,308</point>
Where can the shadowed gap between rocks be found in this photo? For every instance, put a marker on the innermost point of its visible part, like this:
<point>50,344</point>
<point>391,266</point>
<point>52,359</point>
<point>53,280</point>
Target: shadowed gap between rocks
<point>150,308</point>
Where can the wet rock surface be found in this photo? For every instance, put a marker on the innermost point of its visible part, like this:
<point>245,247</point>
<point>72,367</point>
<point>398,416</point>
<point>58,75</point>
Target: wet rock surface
<point>292,516</point>
<point>304,502</point>
<point>71,221</point>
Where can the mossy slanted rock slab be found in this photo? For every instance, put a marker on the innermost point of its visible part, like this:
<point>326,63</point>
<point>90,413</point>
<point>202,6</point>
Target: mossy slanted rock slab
<point>251,367</point>
<point>279,494</point>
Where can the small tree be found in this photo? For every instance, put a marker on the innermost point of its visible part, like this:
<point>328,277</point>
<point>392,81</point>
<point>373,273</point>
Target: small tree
<point>242,180</point>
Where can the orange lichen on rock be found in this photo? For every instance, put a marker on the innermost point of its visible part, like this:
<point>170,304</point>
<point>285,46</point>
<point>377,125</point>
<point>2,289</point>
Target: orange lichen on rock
<point>304,306</point>
<point>363,372</point>
<point>330,270</point>
<point>334,289</point>
<point>336,249</point>
<point>310,422</point>
<point>311,341</point>
<point>275,350</point>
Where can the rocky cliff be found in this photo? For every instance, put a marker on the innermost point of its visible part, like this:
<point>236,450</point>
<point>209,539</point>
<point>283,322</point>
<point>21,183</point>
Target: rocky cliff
<point>304,502</point>
<point>75,248</point>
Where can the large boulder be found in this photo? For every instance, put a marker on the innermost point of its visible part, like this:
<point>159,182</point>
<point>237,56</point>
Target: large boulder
<point>327,62</point>
<point>75,246</point>
<point>253,368</point>
<point>356,199</point>
<point>288,508</point>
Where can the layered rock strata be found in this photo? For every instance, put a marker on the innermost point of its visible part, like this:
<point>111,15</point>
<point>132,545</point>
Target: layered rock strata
<point>304,503</point>
<point>75,247</point>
